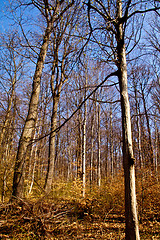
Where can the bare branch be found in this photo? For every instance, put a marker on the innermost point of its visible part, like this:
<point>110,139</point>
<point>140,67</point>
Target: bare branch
<point>80,105</point>
<point>143,11</point>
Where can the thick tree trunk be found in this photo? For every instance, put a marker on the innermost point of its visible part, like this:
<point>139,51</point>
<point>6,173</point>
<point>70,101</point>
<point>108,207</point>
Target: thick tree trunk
<point>132,230</point>
<point>29,126</point>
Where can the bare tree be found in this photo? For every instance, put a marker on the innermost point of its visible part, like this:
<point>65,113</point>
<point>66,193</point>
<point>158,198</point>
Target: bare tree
<point>63,49</point>
<point>11,74</point>
<point>114,18</point>
<point>51,13</point>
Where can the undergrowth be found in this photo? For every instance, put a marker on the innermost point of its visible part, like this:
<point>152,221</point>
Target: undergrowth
<point>65,214</point>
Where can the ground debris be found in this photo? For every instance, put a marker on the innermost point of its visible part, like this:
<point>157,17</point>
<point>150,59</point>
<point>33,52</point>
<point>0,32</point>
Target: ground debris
<point>64,219</point>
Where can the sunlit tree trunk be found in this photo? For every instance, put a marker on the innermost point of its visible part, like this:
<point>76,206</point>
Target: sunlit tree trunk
<point>29,126</point>
<point>34,157</point>
<point>50,14</point>
<point>99,147</point>
<point>79,147</point>
<point>156,148</point>
<point>107,148</point>
<point>132,230</point>
<point>111,142</point>
<point>92,151</point>
<point>84,146</point>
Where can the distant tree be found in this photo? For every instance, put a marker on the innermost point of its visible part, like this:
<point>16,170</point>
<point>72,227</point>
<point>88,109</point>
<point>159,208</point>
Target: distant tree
<point>12,72</point>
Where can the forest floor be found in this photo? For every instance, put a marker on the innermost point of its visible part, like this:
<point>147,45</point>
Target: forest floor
<point>98,217</point>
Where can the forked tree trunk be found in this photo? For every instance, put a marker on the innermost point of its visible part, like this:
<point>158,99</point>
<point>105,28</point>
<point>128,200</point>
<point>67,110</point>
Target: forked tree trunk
<point>132,230</point>
<point>29,126</point>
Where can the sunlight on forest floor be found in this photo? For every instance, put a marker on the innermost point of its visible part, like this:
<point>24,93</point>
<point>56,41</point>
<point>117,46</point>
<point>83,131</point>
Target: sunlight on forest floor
<point>99,216</point>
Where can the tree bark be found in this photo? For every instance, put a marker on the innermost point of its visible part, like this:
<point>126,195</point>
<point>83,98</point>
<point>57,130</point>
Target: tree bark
<point>29,126</point>
<point>132,230</point>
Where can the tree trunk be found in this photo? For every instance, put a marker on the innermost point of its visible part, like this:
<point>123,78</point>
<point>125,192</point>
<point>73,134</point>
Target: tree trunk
<point>111,142</point>
<point>99,149</point>
<point>84,152</point>
<point>7,117</point>
<point>92,151</point>
<point>107,148</point>
<point>156,148</point>
<point>132,230</point>
<point>138,127</point>
<point>8,113</point>
<point>29,126</point>
<point>79,148</point>
<point>69,168</point>
<point>149,131</point>
<point>84,145</point>
<point>52,139</point>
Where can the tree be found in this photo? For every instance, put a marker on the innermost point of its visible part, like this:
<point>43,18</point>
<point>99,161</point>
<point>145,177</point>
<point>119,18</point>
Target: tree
<point>62,50</point>
<point>132,231</point>
<point>11,74</point>
<point>51,13</point>
<point>112,20</point>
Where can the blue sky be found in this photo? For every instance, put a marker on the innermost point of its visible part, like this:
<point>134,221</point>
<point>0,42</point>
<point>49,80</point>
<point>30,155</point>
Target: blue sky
<point>4,22</point>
